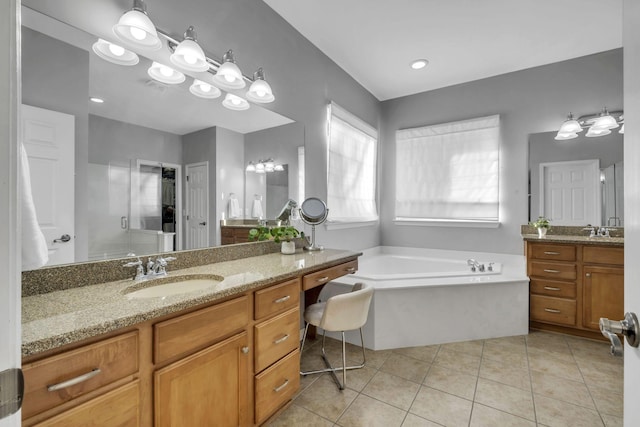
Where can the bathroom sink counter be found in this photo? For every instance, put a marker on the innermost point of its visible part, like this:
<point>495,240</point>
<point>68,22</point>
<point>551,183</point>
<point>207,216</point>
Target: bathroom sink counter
<point>584,240</point>
<point>53,319</point>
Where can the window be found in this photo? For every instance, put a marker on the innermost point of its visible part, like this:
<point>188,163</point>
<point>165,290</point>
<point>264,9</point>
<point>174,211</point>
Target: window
<point>448,173</point>
<point>351,186</point>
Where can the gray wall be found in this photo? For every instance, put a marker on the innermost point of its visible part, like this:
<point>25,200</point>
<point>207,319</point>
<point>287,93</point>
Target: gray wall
<point>229,170</point>
<point>62,85</point>
<point>529,101</point>
<point>112,141</point>
<point>543,148</point>
<point>201,147</point>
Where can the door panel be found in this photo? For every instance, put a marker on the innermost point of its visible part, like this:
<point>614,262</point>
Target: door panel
<point>197,205</point>
<point>48,138</point>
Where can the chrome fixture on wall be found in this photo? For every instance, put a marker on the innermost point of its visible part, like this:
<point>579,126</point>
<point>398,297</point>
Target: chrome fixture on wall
<point>136,31</point>
<point>264,166</point>
<point>597,125</point>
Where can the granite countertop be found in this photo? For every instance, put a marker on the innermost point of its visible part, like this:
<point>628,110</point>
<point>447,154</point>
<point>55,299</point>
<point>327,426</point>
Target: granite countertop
<point>584,240</point>
<point>53,319</point>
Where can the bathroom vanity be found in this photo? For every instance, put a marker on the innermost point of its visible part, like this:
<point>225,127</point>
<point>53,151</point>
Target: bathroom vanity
<point>574,281</point>
<point>225,356</point>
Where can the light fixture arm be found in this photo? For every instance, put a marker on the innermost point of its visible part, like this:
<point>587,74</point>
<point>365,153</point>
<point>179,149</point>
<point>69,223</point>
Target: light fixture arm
<point>140,6</point>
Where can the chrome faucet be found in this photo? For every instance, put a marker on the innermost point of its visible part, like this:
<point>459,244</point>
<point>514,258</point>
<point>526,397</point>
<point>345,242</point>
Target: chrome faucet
<point>475,265</point>
<point>155,268</point>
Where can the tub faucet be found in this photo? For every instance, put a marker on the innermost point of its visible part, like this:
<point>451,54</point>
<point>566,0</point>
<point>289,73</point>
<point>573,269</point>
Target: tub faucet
<point>475,265</point>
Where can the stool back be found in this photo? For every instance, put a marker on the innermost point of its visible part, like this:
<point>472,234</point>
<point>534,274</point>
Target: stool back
<point>345,312</point>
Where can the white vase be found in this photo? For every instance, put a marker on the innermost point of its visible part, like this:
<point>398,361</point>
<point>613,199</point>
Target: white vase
<point>542,232</point>
<point>288,248</point>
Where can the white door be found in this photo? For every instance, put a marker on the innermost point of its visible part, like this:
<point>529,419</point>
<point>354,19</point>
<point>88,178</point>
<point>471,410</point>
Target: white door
<point>570,192</point>
<point>197,205</point>
<point>48,138</point>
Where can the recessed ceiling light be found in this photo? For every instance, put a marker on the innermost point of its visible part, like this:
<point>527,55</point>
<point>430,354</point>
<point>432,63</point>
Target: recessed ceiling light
<point>419,64</point>
<point>96,100</point>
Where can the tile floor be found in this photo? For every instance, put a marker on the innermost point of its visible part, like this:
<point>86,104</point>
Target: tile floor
<point>541,379</point>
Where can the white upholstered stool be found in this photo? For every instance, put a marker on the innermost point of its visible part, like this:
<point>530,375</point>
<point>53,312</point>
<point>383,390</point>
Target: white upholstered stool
<point>342,313</point>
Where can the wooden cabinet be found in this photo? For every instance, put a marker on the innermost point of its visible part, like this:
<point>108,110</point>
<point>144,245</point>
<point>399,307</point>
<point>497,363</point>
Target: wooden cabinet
<point>230,234</point>
<point>207,388</point>
<point>573,285</point>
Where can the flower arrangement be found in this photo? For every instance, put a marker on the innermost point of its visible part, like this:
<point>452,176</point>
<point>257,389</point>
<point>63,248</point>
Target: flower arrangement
<point>277,234</point>
<point>541,222</point>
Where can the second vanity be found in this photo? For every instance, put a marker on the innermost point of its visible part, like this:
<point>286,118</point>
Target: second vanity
<point>574,281</point>
<point>226,354</point>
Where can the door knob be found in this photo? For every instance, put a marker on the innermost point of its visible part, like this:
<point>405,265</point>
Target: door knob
<point>63,239</point>
<point>203,223</point>
<point>627,327</point>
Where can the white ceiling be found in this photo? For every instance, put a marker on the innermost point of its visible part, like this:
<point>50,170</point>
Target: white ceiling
<point>464,40</point>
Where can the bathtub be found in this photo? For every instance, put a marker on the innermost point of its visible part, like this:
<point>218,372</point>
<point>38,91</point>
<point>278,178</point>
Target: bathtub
<point>431,296</point>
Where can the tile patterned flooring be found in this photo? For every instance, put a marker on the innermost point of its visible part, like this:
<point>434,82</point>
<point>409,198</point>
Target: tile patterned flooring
<point>541,379</point>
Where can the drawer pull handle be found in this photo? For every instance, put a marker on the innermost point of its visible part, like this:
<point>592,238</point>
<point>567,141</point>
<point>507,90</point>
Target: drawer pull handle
<point>245,350</point>
<point>281,340</point>
<point>588,274</point>
<point>322,279</point>
<point>551,253</point>
<point>551,288</point>
<point>551,310</point>
<point>548,270</point>
<point>283,299</point>
<point>350,270</point>
<point>74,381</point>
<point>280,387</point>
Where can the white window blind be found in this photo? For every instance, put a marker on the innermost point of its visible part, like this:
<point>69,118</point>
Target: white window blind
<point>449,172</point>
<point>351,187</point>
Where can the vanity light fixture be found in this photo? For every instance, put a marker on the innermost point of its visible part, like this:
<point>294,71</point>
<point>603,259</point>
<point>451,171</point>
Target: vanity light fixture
<point>234,102</point>
<point>114,53</point>
<point>597,124</point>
<point>278,168</point>
<point>164,74</point>
<point>228,74</point>
<point>264,166</point>
<point>622,127</point>
<point>96,100</point>
<point>260,91</point>
<point>251,167</point>
<point>419,64</point>
<point>188,54</point>
<point>260,167</point>
<point>204,90</point>
<point>136,28</point>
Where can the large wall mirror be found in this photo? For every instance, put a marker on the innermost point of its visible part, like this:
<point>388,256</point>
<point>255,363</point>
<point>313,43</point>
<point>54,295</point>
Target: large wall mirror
<point>577,181</point>
<point>133,152</point>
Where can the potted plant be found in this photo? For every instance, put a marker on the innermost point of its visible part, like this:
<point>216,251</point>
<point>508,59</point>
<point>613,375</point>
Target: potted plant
<point>283,235</point>
<point>542,224</point>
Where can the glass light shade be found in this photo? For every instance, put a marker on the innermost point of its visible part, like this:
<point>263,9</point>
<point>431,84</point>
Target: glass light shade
<point>189,56</point>
<point>136,28</point>
<point>164,74</point>
<point>605,122</point>
<point>260,92</point>
<point>251,167</point>
<point>595,132</point>
<point>114,53</point>
<point>234,102</point>
<point>204,90</point>
<point>229,75</point>
<point>563,136</point>
<point>570,126</point>
<point>279,168</point>
<point>259,167</point>
<point>621,129</point>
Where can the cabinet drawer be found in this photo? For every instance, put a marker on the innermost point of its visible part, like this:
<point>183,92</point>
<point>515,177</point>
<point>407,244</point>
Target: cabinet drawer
<point>552,251</point>
<point>553,288</point>
<point>78,372</point>
<point>554,310</point>
<point>276,299</point>
<point>119,407</point>
<point>323,276</point>
<point>603,255</point>
<point>195,330</point>
<point>276,337</point>
<point>553,270</point>
<point>276,385</point>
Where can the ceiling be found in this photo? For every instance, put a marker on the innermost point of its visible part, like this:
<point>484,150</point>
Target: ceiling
<point>464,40</point>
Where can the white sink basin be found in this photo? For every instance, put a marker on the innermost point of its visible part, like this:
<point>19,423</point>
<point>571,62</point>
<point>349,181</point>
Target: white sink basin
<point>168,286</point>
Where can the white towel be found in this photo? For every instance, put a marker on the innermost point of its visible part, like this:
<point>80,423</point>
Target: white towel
<point>35,253</point>
<point>256,209</point>
<point>234,208</point>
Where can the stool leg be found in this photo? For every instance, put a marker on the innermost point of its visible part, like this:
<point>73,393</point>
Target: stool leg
<point>344,363</point>
<point>304,337</point>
